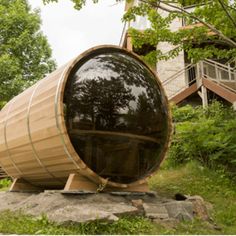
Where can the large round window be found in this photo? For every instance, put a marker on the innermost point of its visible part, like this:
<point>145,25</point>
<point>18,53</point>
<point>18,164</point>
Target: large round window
<point>116,115</point>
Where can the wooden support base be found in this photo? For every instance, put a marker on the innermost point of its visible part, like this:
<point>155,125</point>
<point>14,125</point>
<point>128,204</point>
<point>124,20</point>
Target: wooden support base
<point>20,185</point>
<point>78,182</point>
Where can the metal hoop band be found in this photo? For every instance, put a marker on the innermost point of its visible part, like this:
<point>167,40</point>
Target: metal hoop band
<point>5,137</point>
<point>29,132</point>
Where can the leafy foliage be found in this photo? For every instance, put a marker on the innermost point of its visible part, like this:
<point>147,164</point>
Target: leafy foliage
<point>78,4</point>
<point>206,135</point>
<point>5,183</point>
<point>214,38</point>
<point>25,55</point>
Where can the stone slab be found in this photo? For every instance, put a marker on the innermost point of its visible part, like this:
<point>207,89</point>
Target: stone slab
<point>181,210</point>
<point>155,211</point>
<point>81,214</point>
<point>86,207</point>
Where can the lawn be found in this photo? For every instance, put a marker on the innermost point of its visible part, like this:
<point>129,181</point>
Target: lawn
<point>191,179</point>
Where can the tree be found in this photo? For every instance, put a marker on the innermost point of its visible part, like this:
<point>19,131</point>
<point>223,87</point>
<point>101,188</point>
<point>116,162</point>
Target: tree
<point>78,4</point>
<point>215,38</point>
<point>25,55</point>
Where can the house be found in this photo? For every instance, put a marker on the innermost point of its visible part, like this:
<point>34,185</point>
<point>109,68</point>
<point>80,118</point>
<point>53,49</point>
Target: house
<point>183,81</point>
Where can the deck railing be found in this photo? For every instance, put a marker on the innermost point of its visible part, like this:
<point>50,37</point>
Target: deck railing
<point>220,73</point>
<point>180,80</point>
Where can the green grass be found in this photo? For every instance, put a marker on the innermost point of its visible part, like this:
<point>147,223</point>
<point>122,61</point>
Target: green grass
<point>215,188</point>
<point>191,179</point>
<point>17,223</point>
<point>5,184</point>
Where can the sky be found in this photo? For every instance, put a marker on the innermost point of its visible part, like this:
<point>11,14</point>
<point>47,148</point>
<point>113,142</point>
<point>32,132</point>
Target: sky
<point>70,32</point>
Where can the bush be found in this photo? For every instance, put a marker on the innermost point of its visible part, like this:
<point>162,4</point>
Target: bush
<point>206,135</point>
<point>4,183</point>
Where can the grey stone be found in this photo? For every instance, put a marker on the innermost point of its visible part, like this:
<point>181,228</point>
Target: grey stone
<point>181,210</point>
<point>118,209</point>
<point>11,199</point>
<point>64,208</point>
<point>138,203</point>
<point>151,194</point>
<point>199,207</point>
<point>78,192</point>
<point>127,193</point>
<point>155,211</point>
<point>80,214</point>
<point>69,208</point>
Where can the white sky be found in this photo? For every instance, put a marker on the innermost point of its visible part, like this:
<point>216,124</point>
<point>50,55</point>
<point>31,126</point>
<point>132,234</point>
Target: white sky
<point>70,32</point>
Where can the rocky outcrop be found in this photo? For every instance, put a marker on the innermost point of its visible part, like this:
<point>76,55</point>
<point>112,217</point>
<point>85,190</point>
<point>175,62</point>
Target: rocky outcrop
<point>87,207</point>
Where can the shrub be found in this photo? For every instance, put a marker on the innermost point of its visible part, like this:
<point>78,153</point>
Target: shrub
<point>4,183</point>
<point>206,135</point>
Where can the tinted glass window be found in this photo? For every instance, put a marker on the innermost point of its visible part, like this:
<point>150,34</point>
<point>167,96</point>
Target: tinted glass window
<point>116,116</point>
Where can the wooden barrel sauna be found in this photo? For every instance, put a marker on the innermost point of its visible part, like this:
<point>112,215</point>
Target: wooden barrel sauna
<point>103,116</point>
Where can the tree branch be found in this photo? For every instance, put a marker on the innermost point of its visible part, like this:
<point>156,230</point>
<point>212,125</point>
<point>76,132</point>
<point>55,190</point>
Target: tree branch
<point>227,13</point>
<point>211,27</point>
<point>190,15</point>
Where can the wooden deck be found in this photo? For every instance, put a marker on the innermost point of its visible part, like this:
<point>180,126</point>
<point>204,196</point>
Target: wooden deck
<point>221,90</point>
<point>225,90</point>
<point>214,76</point>
<point>184,94</point>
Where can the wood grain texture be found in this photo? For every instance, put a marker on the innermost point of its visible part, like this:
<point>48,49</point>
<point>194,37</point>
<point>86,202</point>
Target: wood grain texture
<point>34,144</point>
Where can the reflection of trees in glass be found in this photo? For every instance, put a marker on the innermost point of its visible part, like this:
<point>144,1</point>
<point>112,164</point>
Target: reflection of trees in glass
<point>143,117</point>
<point>134,75</point>
<point>100,101</point>
<point>113,91</point>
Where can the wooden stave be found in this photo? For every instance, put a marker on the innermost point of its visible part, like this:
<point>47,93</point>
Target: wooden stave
<point>57,81</point>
